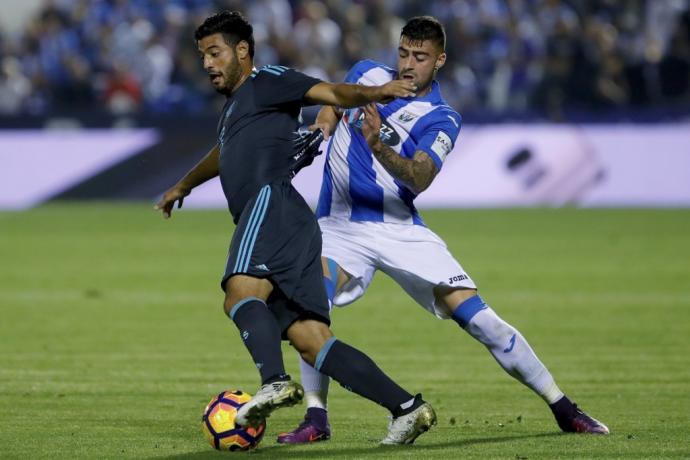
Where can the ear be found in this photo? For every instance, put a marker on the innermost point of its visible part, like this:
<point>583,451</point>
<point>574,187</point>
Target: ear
<point>242,49</point>
<point>440,61</point>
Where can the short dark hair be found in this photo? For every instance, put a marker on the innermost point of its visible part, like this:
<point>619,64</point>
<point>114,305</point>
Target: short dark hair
<point>232,24</point>
<point>422,28</point>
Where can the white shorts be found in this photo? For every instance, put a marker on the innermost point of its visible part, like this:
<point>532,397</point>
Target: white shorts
<point>414,256</point>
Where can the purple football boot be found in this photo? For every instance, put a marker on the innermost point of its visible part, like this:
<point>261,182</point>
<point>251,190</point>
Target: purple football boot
<point>313,428</point>
<point>572,419</point>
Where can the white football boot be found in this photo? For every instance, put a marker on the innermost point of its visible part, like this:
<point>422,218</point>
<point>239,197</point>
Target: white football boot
<point>406,428</point>
<point>270,397</point>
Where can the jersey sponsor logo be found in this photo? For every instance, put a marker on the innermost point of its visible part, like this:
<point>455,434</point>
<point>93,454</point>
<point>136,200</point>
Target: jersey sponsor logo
<point>442,145</point>
<point>406,117</point>
<point>453,120</point>
<point>388,135</point>
<point>261,267</point>
<point>457,278</point>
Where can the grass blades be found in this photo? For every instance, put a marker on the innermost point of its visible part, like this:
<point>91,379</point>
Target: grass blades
<point>113,338</point>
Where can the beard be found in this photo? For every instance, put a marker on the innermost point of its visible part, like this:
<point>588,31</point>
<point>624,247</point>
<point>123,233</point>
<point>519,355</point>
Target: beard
<point>231,74</point>
<point>425,84</point>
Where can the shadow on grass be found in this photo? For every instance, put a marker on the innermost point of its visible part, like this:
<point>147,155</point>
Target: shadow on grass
<point>280,451</point>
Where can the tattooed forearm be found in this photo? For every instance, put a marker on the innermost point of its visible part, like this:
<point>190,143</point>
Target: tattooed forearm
<point>416,173</point>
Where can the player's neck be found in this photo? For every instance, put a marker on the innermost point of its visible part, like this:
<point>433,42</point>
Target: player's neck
<point>426,90</point>
<point>239,83</point>
<point>245,74</point>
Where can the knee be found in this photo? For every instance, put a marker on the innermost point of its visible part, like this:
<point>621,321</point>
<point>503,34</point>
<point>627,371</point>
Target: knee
<point>241,287</point>
<point>230,301</point>
<point>309,356</point>
<point>308,337</point>
<point>307,349</point>
<point>227,306</point>
<point>453,298</point>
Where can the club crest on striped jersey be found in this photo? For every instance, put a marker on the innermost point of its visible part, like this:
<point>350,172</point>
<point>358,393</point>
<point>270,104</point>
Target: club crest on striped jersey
<point>406,117</point>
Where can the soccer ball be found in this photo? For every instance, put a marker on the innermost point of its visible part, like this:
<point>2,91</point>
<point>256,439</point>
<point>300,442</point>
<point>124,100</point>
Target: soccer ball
<point>218,423</point>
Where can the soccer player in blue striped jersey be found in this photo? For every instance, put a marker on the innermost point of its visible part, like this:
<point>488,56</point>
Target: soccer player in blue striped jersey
<point>379,159</point>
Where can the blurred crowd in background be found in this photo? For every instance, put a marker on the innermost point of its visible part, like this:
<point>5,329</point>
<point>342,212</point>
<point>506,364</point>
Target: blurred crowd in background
<point>542,57</point>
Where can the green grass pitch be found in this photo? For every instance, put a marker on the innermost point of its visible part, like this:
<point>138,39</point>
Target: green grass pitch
<point>113,338</point>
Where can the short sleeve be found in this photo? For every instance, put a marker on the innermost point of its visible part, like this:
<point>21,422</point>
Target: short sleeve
<point>278,85</point>
<point>439,138</point>
<point>362,67</point>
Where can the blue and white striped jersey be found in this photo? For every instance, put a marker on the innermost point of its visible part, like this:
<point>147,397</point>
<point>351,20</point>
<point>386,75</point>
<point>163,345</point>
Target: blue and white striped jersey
<point>355,185</point>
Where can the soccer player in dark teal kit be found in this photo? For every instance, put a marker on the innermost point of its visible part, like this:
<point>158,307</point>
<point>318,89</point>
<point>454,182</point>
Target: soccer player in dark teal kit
<point>273,279</point>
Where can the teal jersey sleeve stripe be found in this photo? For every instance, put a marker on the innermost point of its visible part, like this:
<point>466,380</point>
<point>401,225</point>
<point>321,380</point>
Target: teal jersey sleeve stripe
<point>274,69</point>
<point>274,72</point>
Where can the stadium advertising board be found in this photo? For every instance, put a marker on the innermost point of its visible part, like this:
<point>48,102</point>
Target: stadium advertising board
<point>491,166</point>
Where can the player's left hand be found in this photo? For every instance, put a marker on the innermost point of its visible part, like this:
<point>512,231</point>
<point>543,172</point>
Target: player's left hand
<point>371,125</point>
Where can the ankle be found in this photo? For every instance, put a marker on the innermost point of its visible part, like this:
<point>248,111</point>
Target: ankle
<point>562,407</point>
<point>318,416</point>
<point>408,406</point>
<point>276,378</point>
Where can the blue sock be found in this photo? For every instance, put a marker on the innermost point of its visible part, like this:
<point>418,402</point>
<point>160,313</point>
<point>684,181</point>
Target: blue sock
<point>466,310</point>
<point>331,282</point>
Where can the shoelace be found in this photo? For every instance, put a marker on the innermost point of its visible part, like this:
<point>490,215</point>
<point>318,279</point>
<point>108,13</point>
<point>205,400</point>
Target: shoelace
<point>276,386</point>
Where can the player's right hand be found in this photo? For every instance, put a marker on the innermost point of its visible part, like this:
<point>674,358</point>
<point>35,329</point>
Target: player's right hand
<point>324,127</point>
<point>396,88</point>
<point>167,202</point>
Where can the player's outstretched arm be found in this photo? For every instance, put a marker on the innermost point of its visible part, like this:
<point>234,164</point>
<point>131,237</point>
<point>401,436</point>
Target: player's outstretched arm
<point>417,173</point>
<point>204,170</point>
<point>351,95</point>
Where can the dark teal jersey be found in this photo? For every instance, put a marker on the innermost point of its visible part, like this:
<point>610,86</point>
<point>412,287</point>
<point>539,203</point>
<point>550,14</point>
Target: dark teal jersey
<point>256,132</point>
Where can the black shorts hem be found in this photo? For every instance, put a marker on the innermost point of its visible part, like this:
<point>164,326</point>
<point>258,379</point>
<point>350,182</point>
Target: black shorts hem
<point>253,275</point>
<point>305,314</point>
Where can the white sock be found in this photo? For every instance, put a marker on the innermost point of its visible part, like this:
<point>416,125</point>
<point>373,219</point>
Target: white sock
<point>513,353</point>
<point>315,386</point>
